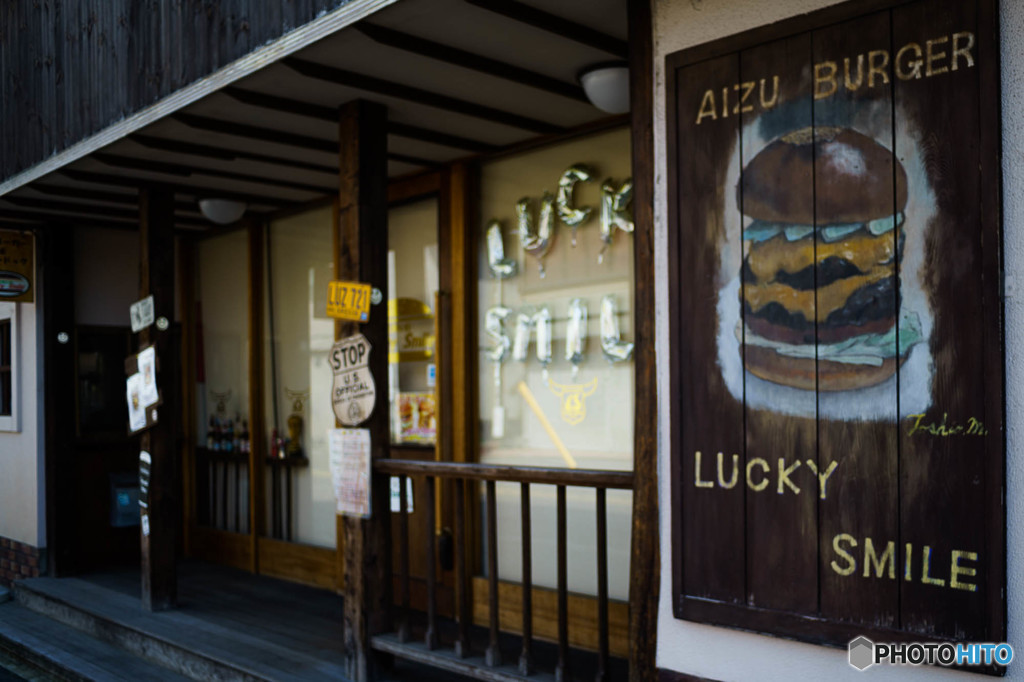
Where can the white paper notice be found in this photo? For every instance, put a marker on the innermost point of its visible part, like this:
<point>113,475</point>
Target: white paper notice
<point>350,470</point>
<point>147,369</point>
<point>136,410</point>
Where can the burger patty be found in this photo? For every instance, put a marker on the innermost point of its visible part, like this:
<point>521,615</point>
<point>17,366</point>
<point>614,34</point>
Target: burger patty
<point>830,270</point>
<point>870,309</point>
<point>862,249</point>
<point>815,303</point>
<point>818,287</point>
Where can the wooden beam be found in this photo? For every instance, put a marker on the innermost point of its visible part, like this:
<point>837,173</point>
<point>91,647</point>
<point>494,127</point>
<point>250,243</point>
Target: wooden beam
<point>178,188</point>
<point>56,251</point>
<point>645,557</point>
<point>426,135</point>
<point>46,219</point>
<point>184,170</point>
<point>90,194</point>
<point>469,60</point>
<point>225,154</point>
<point>187,264</point>
<point>414,160</point>
<point>361,255</point>
<point>122,198</point>
<point>278,136</point>
<point>97,214</point>
<point>283,104</point>
<point>257,442</point>
<point>216,125</point>
<point>563,28</point>
<point>322,113</point>
<point>74,207</point>
<point>156,278</point>
<point>413,187</point>
<point>417,95</point>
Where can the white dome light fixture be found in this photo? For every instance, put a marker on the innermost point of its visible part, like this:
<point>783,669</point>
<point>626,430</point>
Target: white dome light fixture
<point>222,211</point>
<point>607,86</point>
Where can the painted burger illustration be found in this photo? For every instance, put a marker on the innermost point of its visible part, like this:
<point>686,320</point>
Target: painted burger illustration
<point>822,249</point>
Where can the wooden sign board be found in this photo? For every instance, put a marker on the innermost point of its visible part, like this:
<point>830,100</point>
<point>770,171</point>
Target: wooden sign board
<point>837,381</point>
<point>17,266</point>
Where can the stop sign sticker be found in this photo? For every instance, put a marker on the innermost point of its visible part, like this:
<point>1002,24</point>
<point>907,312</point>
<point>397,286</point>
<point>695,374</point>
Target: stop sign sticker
<point>353,393</point>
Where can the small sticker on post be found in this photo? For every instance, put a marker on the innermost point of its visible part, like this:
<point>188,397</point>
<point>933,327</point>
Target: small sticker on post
<point>142,314</point>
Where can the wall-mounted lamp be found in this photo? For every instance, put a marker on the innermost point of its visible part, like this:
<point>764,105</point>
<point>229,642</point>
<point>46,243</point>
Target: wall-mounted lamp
<point>222,211</point>
<point>607,86</point>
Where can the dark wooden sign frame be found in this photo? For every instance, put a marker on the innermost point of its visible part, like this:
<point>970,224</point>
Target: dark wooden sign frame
<point>888,103</point>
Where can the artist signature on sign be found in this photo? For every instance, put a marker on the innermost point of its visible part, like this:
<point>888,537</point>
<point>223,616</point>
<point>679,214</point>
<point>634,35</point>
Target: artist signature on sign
<point>945,429</point>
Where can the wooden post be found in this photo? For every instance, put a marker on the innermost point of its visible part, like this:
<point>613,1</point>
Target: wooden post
<point>361,255</point>
<point>645,568</point>
<point>156,277</point>
<point>56,246</point>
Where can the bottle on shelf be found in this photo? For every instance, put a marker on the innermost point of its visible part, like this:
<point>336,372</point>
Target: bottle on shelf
<point>218,436</point>
<point>211,434</point>
<point>244,439</point>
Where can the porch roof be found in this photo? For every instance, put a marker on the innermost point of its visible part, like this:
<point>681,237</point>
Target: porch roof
<point>459,78</point>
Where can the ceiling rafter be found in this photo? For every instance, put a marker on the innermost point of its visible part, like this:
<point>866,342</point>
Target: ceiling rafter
<point>46,205</point>
<point>322,113</point>
<point>96,195</point>
<point>84,214</point>
<point>413,94</point>
<point>217,125</point>
<point>178,188</point>
<point>470,60</point>
<point>564,28</point>
<point>187,171</point>
<point>225,154</point>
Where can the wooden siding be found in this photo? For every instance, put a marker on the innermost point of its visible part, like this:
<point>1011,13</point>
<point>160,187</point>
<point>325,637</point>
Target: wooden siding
<point>70,68</point>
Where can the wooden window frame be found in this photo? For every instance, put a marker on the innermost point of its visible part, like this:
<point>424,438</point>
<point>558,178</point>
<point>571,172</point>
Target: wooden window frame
<point>811,627</point>
<point>9,319</point>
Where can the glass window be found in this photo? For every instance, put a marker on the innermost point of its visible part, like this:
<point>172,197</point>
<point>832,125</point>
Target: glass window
<point>299,265</point>
<point>6,361</point>
<point>222,381</point>
<point>412,283</point>
<point>555,383</point>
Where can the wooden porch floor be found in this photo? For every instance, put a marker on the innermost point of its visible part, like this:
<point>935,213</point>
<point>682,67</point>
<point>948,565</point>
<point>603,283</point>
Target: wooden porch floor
<point>229,624</point>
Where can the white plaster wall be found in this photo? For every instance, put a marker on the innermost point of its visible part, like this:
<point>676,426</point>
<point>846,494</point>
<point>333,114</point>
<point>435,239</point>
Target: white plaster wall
<point>22,482</point>
<point>725,654</point>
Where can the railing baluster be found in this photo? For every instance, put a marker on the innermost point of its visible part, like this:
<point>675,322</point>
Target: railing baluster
<point>562,671</point>
<point>602,585</point>
<point>431,638</point>
<point>403,557</point>
<point>492,657</point>
<point>287,513</point>
<point>462,592</point>
<point>275,481</point>
<point>238,497</point>
<point>225,467</point>
<point>526,658</point>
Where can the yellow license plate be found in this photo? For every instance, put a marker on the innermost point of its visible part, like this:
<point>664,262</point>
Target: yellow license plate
<point>348,301</point>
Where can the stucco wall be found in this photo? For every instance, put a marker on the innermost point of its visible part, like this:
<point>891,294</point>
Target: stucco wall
<point>724,654</point>
<point>22,512</point>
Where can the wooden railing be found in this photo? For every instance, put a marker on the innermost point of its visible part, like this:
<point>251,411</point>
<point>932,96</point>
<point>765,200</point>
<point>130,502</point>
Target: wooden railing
<point>463,474</point>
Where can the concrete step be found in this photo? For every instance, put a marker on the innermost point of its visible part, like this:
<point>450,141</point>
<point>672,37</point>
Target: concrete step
<point>178,641</point>
<point>257,631</point>
<point>58,651</point>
